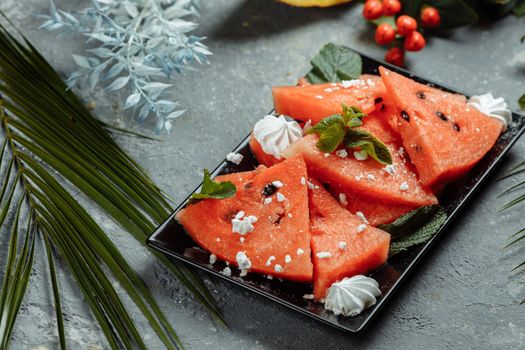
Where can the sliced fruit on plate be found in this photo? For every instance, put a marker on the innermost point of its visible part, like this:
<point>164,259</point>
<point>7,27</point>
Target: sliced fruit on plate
<point>261,156</point>
<point>264,228</point>
<point>396,184</point>
<point>376,212</point>
<point>444,136</point>
<point>342,244</point>
<point>318,101</point>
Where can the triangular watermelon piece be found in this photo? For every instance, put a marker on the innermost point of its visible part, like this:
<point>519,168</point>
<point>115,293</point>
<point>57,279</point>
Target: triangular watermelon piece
<point>318,101</point>
<point>399,185</point>
<point>279,244</point>
<point>443,135</point>
<point>342,245</point>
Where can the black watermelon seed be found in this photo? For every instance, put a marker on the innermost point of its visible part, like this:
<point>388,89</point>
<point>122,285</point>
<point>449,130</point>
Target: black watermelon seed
<point>268,190</point>
<point>418,148</point>
<point>456,127</point>
<point>421,95</point>
<point>442,116</point>
<point>378,100</point>
<point>405,116</point>
<point>382,108</point>
<point>248,185</point>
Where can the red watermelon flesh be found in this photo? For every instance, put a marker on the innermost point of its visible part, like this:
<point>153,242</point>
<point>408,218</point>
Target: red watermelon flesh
<point>335,231</point>
<point>261,156</point>
<point>366,177</point>
<point>281,229</point>
<point>318,101</point>
<point>444,136</point>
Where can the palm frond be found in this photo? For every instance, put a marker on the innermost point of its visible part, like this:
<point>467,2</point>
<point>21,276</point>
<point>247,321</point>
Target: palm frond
<point>51,138</point>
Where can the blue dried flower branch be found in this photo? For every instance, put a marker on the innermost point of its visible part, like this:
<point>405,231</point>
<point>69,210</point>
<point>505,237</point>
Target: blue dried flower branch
<point>139,42</point>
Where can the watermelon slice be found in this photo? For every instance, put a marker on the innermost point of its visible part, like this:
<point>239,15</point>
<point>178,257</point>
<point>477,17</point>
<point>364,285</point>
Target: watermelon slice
<point>318,101</point>
<point>368,177</point>
<point>262,157</point>
<point>341,245</point>
<point>444,136</point>
<point>279,244</point>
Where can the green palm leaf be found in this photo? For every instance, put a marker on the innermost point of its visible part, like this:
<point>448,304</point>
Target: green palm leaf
<point>51,137</point>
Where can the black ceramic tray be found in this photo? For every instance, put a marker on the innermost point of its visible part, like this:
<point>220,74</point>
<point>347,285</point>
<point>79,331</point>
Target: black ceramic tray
<point>171,239</point>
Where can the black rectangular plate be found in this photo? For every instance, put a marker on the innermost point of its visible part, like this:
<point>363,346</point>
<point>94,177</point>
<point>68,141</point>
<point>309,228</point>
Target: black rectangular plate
<point>171,239</point>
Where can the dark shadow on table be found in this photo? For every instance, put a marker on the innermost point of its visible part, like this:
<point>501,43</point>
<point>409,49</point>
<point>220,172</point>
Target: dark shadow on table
<point>253,18</point>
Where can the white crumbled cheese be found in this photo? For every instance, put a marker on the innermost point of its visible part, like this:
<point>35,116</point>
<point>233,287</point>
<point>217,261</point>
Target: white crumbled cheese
<point>243,225</point>
<point>242,239</point>
<point>361,155</point>
<point>235,158</point>
<point>213,259</point>
<point>390,168</point>
<point>319,97</point>
<point>243,273</point>
<point>358,178</point>
<point>267,200</point>
<point>280,197</point>
<point>269,261</point>
<point>227,271</point>
<point>361,228</point>
<point>370,82</point>
<point>287,259</point>
<point>310,185</point>
<point>323,255</point>
<point>370,177</point>
<point>303,181</point>
<point>350,83</point>
<point>326,155</point>
<point>277,184</point>
<point>316,187</point>
<point>342,199</point>
<point>342,153</point>
<point>289,215</point>
<point>328,90</point>
<point>300,251</point>
<point>270,277</point>
<point>342,245</point>
<point>307,126</point>
<point>361,216</point>
<point>401,152</point>
<point>218,239</point>
<point>403,186</point>
<point>278,268</point>
<point>243,261</point>
<point>308,296</point>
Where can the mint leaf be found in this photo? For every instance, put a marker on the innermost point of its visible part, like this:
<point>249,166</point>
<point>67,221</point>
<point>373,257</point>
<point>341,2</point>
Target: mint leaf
<point>352,116</point>
<point>333,64</point>
<point>331,138</point>
<point>368,143</point>
<point>215,190</point>
<point>521,102</point>
<point>326,123</point>
<point>419,234</point>
<point>406,223</point>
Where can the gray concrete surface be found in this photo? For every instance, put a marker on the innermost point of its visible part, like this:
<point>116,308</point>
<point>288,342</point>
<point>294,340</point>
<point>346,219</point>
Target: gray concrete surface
<point>463,297</point>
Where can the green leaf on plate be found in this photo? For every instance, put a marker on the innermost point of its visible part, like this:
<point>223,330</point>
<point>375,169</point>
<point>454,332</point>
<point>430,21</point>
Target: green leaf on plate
<point>415,228</point>
<point>333,64</point>
<point>374,147</point>
<point>215,190</point>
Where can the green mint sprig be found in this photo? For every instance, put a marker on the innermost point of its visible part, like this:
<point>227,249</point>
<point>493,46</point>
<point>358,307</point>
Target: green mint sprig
<point>213,189</point>
<point>340,129</point>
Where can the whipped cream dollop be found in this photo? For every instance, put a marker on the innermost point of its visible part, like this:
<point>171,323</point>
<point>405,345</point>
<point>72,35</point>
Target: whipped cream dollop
<point>275,134</point>
<point>350,296</point>
<point>493,107</point>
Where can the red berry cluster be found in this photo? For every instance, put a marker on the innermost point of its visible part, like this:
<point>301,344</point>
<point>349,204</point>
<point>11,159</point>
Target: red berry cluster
<point>405,27</point>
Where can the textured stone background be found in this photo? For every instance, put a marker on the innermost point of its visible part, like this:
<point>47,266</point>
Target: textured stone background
<point>463,296</point>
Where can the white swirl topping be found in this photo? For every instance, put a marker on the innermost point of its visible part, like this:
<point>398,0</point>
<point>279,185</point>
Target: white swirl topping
<point>351,296</point>
<point>275,134</point>
<point>493,107</point>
